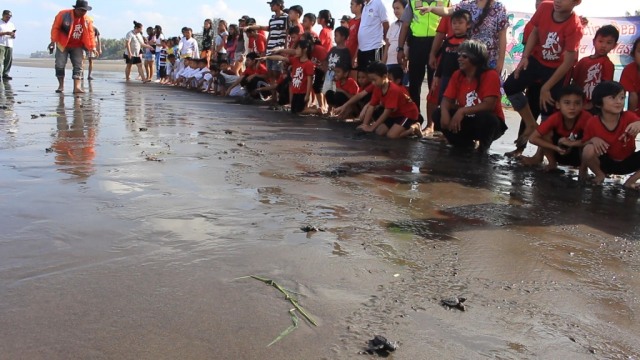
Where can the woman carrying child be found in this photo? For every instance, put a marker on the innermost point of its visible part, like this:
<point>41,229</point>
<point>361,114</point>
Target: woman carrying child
<point>471,109</point>
<point>610,137</point>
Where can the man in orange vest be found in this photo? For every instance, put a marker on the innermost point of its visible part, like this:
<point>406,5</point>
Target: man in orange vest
<point>71,34</point>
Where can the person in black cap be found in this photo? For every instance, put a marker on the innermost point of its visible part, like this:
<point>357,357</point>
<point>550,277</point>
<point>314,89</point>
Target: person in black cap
<point>71,33</point>
<point>344,21</point>
<point>7,34</point>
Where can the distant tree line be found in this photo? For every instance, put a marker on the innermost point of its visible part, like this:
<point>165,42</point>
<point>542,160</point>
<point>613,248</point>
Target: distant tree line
<point>635,13</point>
<point>112,49</point>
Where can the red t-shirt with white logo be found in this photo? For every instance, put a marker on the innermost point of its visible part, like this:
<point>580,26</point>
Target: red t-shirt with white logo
<point>618,149</point>
<point>555,124</point>
<point>590,72</point>
<point>467,92</point>
<point>397,99</point>
<point>630,79</point>
<point>300,73</point>
<point>77,29</point>
<point>555,38</point>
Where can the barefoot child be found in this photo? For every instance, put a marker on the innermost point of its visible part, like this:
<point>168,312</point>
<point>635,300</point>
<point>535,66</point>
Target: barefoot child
<point>346,87</point>
<point>302,69</point>
<point>610,138</point>
<point>559,136</point>
<point>550,53</point>
<point>399,117</point>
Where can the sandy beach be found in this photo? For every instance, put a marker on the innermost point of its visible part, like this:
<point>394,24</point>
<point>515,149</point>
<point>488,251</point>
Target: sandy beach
<point>131,213</point>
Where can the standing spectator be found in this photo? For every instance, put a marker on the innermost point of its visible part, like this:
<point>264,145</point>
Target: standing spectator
<point>326,34</point>
<point>278,30</point>
<point>149,52</point>
<point>72,31</point>
<point>94,54</point>
<point>134,42</point>
<point>418,31</point>
<point>354,27</point>
<point>221,41</point>
<point>490,25</point>
<point>241,46</point>
<point>391,50</point>
<point>232,44</point>
<point>207,41</point>
<point>158,44</point>
<point>7,34</point>
<point>372,33</point>
<point>344,21</point>
<point>188,45</point>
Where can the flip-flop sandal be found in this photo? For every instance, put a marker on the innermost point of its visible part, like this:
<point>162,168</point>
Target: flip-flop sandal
<point>58,91</point>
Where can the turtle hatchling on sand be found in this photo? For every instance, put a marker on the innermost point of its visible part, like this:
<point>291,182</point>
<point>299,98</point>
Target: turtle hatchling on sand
<point>379,344</point>
<point>454,303</point>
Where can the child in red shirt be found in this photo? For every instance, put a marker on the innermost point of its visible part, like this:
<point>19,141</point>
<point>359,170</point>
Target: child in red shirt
<point>471,109</point>
<point>354,25</point>
<point>326,34</point>
<point>400,116</point>
<point>630,78</point>
<point>594,69</point>
<point>550,53</point>
<point>610,138</point>
<point>559,137</point>
<point>346,88</point>
<point>302,69</point>
<point>254,76</point>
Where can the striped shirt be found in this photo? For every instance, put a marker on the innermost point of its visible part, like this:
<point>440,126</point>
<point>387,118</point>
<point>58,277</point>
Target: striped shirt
<point>278,27</point>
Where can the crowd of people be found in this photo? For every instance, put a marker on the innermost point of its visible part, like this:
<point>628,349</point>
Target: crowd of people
<point>371,69</point>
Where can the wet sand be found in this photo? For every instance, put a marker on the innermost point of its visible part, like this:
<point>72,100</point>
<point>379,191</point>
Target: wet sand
<point>106,254</point>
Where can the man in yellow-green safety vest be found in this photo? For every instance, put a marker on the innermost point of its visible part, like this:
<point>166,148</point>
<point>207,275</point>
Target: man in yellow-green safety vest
<point>418,31</point>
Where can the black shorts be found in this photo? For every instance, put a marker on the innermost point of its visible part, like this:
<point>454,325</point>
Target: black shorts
<point>162,71</point>
<point>297,103</point>
<point>402,121</point>
<point>367,57</point>
<point>624,167</point>
<point>318,80</point>
<point>572,158</point>
<point>132,60</point>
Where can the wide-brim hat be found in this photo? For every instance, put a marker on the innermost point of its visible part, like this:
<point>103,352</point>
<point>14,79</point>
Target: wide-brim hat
<point>83,5</point>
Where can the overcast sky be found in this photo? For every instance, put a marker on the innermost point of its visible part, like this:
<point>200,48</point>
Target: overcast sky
<point>115,17</point>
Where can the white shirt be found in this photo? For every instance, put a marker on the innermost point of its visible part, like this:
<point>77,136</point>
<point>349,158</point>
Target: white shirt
<point>393,35</point>
<point>189,48</point>
<point>219,39</point>
<point>136,43</point>
<point>370,34</point>
<point>6,40</point>
<point>159,42</point>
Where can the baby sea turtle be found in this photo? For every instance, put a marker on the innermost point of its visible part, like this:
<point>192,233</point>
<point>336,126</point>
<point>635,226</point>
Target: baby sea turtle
<point>454,303</point>
<point>379,344</point>
<point>310,228</point>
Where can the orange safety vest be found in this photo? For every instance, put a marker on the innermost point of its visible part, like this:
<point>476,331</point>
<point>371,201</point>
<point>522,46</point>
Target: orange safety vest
<point>61,30</point>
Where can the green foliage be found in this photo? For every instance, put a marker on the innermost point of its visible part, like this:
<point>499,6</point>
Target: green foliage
<point>112,49</point>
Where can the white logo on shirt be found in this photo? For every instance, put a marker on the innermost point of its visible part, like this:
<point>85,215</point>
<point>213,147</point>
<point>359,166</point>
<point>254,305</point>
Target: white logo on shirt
<point>551,49</point>
<point>296,81</point>
<point>472,99</point>
<point>77,32</point>
<point>594,76</point>
<point>333,60</point>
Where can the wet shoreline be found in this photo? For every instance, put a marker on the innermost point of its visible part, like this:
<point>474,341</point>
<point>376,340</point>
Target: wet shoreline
<point>109,255</point>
